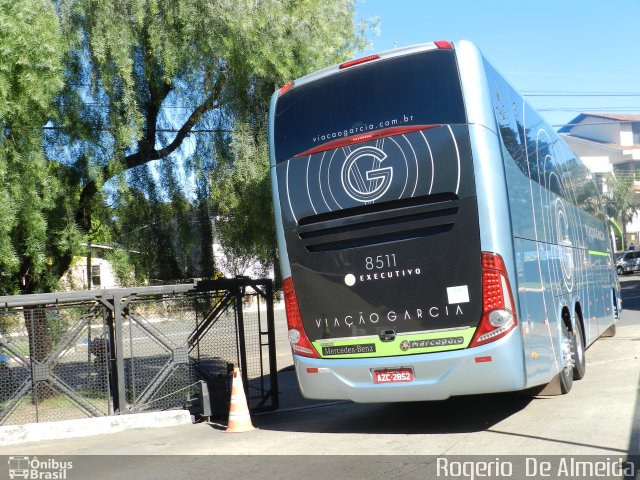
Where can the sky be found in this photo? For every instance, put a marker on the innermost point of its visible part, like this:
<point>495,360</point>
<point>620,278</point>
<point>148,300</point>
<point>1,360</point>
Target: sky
<point>549,51</point>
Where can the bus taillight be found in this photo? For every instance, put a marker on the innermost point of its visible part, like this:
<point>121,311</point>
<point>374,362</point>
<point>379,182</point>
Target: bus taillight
<point>285,88</point>
<point>300,343</point>
<point>358,61</point>
<point>444,45</point>
<point>498,312</point>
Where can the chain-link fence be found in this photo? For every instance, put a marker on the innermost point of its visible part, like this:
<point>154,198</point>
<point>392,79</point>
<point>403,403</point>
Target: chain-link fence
<point>95,353</point>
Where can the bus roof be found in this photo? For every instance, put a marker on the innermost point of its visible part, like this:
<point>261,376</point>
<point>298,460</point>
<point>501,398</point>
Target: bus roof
<point>398,52</point>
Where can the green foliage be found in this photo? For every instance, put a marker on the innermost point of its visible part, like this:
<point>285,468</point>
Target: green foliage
<point>29,63</point>
<point>123,267</point>
<point>10,323</point>
<point>620,198</point>
<point>130,84</point>
<point>268,43</point>
<point>142,75</point>
<point>158,240</point>
<point>126,58</point>
<point>279,42</point>
<point>242,194</point>
<point>30,77</point>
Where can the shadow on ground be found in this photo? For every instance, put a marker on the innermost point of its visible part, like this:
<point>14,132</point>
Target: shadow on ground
<point>455,415</point>
<point>631,301</point>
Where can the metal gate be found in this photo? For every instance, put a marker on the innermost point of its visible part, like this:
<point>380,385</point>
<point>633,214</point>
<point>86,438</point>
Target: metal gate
<point>103,352</point>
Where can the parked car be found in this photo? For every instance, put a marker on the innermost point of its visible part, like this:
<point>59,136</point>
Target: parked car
<point>628,262</point>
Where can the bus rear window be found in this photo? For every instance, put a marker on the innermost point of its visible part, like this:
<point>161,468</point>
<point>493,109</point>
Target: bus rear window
<point>416,89</point>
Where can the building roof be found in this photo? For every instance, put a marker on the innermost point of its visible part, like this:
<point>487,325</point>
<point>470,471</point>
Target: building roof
<point>617,146</point>
<point>623,117</point>
<point>588,140</point>
<point>618,117</point>
<point>97,245</point>
<point>624,147</point>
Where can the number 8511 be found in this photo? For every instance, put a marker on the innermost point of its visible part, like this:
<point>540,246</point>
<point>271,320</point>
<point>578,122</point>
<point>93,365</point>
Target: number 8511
<point>380,261</point>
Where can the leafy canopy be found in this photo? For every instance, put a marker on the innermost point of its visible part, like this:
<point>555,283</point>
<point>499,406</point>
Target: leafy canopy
<point>184,82</point>
<point>134,123</point>
<point>31,50</point>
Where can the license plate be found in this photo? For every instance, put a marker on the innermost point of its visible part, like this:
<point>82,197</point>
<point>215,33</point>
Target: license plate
<point>393,375</point>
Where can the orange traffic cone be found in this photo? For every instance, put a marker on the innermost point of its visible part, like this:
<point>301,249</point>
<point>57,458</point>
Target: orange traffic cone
<point>239,418</point>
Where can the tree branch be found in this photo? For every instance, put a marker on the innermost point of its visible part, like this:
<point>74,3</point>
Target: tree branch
<point>157,96</point>
<point>148,154</point>
<point>143,156</point>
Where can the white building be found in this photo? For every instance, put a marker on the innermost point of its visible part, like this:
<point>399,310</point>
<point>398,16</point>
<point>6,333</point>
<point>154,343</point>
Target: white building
<point>102,274</point>
<point>608,143</point>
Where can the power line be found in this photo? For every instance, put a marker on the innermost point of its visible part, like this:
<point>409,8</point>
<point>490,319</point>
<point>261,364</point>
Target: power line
<point>608,122</point>
<point>590,109</point>
<point>160,130</point>
<point>105,105</point>
<point>581,94</point>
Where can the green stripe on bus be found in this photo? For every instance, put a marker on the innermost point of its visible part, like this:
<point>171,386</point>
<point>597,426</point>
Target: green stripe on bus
<point>403,344</point>
<point>600,254</point>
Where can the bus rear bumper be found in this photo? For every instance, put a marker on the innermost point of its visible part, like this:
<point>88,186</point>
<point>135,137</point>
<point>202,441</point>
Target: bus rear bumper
<point>496,367</point>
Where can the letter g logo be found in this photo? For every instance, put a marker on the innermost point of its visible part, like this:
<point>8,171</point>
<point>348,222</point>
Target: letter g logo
<point>362,177</point>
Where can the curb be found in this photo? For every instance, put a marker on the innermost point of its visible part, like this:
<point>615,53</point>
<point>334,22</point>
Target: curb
<point>85,427</point>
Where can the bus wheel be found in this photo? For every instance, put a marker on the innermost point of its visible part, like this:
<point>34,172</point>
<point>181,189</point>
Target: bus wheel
<point>580,362</point>
<point>568,355</point>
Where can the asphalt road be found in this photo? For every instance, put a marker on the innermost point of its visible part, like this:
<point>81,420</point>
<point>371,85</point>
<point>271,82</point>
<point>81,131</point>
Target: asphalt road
<point>600,417</point>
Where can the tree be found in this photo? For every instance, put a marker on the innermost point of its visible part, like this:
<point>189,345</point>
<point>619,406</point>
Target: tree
<point>150,80</point>
<point>174,229</point>
<point>35,225</point>
<point>242,192</point>
<point>620,199</point>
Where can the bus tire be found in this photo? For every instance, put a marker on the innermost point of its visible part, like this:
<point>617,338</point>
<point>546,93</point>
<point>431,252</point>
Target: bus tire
<point>568,350</point>
<point>580,367</point>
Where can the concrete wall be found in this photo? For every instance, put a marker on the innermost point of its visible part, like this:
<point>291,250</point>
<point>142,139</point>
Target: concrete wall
<point>586,148</point>
<point>597,164</point>
<point>626,134</point>
<point>599,130</point>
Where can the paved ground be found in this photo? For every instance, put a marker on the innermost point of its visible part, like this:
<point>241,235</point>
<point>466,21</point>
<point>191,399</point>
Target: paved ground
<point>601,416</point>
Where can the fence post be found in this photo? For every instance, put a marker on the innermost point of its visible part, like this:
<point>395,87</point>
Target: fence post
<point>273,364</point>
<point>119,393</point>
<point>242,347</point>
<point>204,399</point>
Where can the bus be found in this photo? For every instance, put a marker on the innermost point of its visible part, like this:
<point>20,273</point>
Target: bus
<point>436,236</point>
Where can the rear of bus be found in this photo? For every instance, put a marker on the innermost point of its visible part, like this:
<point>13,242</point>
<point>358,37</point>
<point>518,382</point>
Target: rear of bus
<point>389,295</point>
